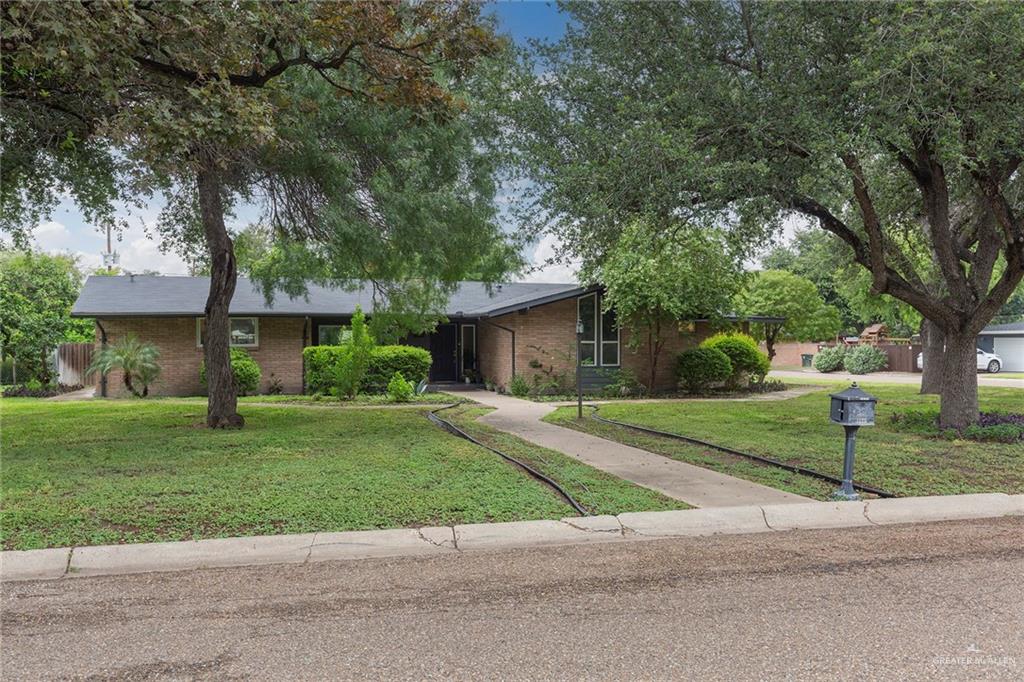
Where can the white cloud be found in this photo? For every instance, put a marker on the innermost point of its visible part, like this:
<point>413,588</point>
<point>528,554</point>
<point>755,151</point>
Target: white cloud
<point>52,236</point>
<point>546,265</point>
<point>137,251</point>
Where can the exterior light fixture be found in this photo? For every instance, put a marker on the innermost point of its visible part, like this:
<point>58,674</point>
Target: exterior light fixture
<point>852,408</point>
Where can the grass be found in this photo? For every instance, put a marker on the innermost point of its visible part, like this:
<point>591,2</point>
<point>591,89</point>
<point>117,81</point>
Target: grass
<point>798,431</point>
<point>597,491</point>
<point>105,472</point>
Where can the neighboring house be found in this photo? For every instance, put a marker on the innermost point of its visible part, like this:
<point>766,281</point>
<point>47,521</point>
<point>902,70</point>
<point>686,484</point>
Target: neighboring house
<point>1006,341</point>
<point>492,333</point>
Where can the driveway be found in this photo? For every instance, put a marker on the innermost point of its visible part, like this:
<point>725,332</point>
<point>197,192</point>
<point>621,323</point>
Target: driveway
<point>887,377</point>
<point>929,601</point>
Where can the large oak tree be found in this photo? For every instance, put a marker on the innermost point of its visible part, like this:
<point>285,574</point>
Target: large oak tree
<point>898,127</point>
<point>106,99</point>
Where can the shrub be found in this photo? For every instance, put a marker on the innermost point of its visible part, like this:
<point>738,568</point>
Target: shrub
<point>698,368</point>
<point>244,370</point>
<point>518,386</point>
<point>353,364</point>
<point>136,360</point>
<point>320,364</point>
<point>864,359</point>
<point>400,390</point>
<point>412,362</point>
<point>31,389</point>
<point>829,359</point>
<point>624,383</point>
<point>744,354</point>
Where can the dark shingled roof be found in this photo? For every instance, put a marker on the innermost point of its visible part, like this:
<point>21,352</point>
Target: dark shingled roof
<point>146,295</point>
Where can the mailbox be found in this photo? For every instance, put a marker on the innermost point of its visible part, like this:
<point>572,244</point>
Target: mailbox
<point>853,407</point>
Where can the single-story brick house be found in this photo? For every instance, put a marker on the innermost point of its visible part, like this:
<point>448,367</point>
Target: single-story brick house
<point>494,332</point>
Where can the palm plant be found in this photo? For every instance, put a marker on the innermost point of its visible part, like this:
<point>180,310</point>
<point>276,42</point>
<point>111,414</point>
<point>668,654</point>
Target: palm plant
<point>136,360</point>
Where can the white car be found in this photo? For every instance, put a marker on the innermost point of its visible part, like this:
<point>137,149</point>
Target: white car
<point>990,362</point>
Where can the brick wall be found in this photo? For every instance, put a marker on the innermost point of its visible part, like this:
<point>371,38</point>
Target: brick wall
<point>279,352</point>
<point>677,339</point>
<point>547,334</point>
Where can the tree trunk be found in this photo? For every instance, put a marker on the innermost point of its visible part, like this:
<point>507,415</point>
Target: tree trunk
<point>933,342</point>
<point>769,340</point>
<point>959,396</point>
<point>222,404</point>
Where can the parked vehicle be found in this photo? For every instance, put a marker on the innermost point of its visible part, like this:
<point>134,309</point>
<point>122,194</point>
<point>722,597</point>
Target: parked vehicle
<point>990,362</point>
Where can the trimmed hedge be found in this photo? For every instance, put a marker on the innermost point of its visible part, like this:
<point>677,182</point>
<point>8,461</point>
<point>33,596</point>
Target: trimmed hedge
<point>697,368</point>
<point>246,372</point>
<point>411,362</point>
<point>744,354</point>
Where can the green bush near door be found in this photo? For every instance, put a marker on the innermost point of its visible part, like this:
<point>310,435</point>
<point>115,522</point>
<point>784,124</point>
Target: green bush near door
<point>411,362</point>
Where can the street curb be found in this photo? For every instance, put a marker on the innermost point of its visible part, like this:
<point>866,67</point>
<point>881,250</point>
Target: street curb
<point>48,564</point>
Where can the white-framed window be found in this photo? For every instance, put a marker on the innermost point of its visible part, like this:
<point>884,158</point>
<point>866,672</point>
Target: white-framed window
<point>609,339</point>
<point>586,312</point>
<point>243,332</point>
<point>600,344</point>
<point>332,334</point>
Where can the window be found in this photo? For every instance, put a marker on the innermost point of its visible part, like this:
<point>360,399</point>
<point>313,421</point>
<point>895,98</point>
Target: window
<point>609,338</point>
<point>329,334</point>
<point>244,332</point>
<point>586,309</point>
<point>600,333</point>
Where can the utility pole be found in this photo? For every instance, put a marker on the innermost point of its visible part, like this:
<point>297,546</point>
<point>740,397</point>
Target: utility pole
<point>111,257</point>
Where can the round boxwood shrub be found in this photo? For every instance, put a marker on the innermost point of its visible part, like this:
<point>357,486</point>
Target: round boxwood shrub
<point>829,359</point>
<point>245,370</point>
<point>698,368</point>
<point>744,354</point>
<point>864,359</point>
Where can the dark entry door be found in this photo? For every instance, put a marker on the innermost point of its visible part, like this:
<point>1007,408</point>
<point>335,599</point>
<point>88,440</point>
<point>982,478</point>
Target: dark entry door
<point>443,349</point>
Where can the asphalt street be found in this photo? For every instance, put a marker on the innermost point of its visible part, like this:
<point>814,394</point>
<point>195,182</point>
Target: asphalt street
<point>935,601</point>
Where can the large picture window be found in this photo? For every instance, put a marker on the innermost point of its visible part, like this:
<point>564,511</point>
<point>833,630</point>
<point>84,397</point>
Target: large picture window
<point>332,334</point>
<point>609,338</point>
<point>600,343</point>
<point>244,332</point>
<point>586,309</point>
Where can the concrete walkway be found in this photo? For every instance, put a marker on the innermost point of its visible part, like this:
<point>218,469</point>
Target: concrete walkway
<point>692,484</point>
<point>910,378</point>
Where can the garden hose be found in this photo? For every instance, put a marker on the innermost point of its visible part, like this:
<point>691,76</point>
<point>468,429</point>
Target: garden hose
<point>757,458</point>
<point>452,428</point>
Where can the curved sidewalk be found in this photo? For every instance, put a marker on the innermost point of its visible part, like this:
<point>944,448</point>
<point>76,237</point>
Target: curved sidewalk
<point>692,484</point>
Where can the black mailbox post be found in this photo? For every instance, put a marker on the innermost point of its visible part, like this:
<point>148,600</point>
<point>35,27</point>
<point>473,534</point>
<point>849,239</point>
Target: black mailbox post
<point>853,408</point>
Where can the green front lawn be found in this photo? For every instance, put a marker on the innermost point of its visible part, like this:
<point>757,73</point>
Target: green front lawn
<point>798,431</point>
<point>101,472</point>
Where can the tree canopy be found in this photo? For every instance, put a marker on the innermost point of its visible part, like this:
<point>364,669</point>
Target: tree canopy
<point>896,127</point>
<point>654,281</point>
<point>219,102</point>
<point>776,293</point>
<point>37,291</point>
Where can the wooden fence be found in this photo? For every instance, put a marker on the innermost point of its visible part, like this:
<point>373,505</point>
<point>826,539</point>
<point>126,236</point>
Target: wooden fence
<point>72,361</point>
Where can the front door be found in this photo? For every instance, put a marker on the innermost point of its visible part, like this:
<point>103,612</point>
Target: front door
<point>444,351</point>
